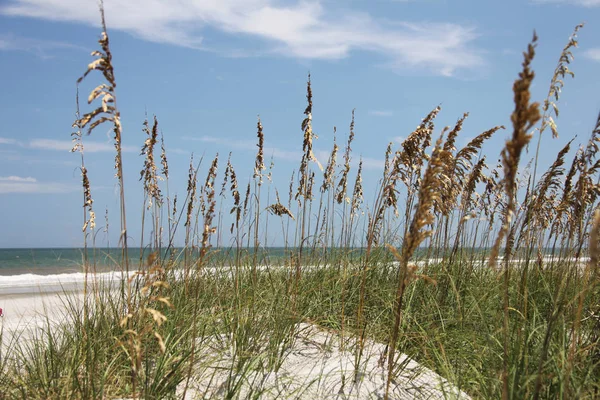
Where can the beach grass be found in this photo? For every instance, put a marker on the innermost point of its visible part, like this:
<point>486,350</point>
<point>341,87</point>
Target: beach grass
<point>490,279</point>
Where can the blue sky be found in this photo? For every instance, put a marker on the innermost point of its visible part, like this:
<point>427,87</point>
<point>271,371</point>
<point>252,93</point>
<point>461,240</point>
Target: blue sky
<point>207,68</point>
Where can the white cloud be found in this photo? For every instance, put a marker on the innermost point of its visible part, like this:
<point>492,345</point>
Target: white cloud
<point>177,151</point>
<point>25,185</point>
<point>51,144</point>
<point>282,154</point>
<point>399,139</point>
<point>13,178</point>
<point>42,48</point>
<point>593,54</point>
<point>34,188</point>
<point>381,113</point>
<point>288,155</point>
<point>584,3</point>
<point>373,163</point>
<point>7,141</point>
<point>299,28</point>
<point>67,145</point>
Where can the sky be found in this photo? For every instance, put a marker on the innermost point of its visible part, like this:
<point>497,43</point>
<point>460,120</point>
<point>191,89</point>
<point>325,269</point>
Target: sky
<point>208,68</point>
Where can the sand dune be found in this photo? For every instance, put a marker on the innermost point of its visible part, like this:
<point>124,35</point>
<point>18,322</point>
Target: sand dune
<point>313,368</point>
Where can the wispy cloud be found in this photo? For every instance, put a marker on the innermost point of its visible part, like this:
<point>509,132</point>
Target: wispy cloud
<point>67,145</point>
<point>249,146</point>
<point>17,184</point>
<point>381,113</point>
<point>7,141</point>
<point>593,54</point>
<point>178,151</point>
<point>372,163</point>
<point>304,29</point>
<point>40,47</point>
<point>281,154</point>
<point>13,178</point>
<point>12,157</point>
<point>583,3</point>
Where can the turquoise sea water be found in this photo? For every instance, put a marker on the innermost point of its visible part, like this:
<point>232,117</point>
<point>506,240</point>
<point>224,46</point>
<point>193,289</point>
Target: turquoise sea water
<point>54,261</point>
<point>50,261</point>
<point>28,270</point>
<point>43,261</point>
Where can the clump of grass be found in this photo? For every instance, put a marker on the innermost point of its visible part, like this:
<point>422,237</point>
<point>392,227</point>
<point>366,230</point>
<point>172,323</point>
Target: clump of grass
<point>524,117</point>
<point>415,235</point>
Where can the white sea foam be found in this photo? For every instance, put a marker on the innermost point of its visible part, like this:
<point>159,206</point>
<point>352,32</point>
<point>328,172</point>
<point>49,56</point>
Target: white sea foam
<point>31,283</point>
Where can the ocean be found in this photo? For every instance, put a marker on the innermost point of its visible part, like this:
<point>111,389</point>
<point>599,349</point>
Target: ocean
<point>27,271</point>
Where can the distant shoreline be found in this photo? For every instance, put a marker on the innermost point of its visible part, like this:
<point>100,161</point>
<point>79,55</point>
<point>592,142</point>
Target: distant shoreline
<point>31,283</point>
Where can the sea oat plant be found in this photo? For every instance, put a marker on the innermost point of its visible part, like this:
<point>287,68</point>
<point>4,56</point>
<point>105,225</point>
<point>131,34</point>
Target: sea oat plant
<point>108,112</point>
<point>525,115</point>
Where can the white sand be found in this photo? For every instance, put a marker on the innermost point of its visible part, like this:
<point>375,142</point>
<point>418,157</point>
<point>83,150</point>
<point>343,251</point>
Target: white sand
<point>23,314</point>
<point>313,368</point>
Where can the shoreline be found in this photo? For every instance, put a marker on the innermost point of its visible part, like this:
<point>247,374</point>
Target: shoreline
<point>30,283</point>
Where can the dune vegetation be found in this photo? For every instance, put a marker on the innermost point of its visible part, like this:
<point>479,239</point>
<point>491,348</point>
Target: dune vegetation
<point>483,274</point>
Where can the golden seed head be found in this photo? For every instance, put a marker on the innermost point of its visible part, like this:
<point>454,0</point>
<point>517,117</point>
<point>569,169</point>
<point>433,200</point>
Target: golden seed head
<point>259,164</point>
<point>280,210</point>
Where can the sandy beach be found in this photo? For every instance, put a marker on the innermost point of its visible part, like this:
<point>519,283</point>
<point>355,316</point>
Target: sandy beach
<point>314,367</point>
<point>24,313</point>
